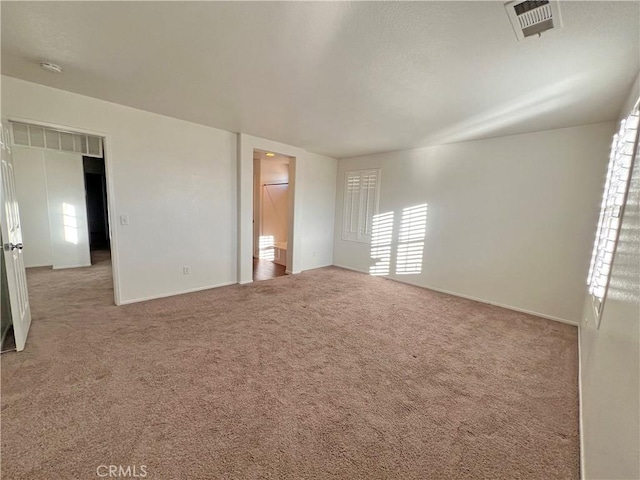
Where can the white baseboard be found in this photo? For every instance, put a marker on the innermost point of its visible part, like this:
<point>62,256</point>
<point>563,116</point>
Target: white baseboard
<point>60,267</point>
<point>351,268</point>
<point>468,297</point>
<point>181,292</point>
<point>246,282</point>
<point>317,267</point>
<point>39,266</point>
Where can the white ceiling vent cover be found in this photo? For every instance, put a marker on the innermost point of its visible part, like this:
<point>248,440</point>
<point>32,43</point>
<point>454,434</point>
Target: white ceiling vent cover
<point>532,17</point>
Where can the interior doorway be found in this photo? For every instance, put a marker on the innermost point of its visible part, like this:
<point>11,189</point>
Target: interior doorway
<point>95,184</point>
<point>61,189</point>
<point>271,214</point>
<point>61,193</point>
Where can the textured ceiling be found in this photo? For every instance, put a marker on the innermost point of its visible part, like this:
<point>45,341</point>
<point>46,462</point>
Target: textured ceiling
<point>337,78</point>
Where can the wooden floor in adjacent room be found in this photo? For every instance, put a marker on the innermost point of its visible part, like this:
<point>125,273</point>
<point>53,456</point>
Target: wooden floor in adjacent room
<point>325,374</point>
<point>266,270</point>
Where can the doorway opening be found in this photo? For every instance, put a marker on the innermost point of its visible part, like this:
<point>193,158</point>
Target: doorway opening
<point>62,211</point>
<point>271,214</point>
<point>61,189</point>
<point>95,184</point>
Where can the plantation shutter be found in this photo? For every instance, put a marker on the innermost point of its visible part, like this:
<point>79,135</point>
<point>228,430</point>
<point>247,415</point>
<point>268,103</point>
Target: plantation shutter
<point>369,203</point>
<point>362,191</point>
<point>614,198</point>
<point>351,206</point>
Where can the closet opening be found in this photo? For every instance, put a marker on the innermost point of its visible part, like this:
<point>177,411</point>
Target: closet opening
<point>272,214</point>
<point>95,185</point>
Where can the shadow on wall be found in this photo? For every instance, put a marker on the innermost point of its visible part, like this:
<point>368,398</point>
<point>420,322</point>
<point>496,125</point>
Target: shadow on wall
<point>399,249</point>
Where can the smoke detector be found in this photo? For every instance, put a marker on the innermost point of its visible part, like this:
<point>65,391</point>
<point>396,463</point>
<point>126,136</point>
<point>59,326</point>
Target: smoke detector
<point>532,17</point>
<point>51,67</point>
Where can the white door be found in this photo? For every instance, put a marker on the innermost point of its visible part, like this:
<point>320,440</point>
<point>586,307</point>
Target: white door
<point>12,246</point>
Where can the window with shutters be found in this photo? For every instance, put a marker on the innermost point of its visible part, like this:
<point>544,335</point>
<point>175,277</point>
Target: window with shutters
<point>614,198</point>
<point>361,195</point>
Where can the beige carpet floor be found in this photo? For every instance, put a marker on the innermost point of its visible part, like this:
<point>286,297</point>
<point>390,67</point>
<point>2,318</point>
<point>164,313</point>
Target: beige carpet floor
<point>327,374</point>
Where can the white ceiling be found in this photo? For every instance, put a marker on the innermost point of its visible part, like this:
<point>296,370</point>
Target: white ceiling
<point>337,78</point>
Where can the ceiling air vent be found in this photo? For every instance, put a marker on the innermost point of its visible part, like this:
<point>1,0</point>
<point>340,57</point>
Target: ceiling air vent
<point>532,17</point>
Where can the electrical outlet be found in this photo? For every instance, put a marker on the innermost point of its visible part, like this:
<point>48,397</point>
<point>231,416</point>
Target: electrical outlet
<point>185,270</point>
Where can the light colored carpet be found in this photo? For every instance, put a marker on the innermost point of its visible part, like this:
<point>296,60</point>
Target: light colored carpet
<point>327,374</point>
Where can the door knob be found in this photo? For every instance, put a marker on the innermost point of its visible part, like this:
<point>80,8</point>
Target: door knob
<point>13,246</point>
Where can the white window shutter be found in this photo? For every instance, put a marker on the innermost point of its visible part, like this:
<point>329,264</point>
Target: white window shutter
<point>613,201</point>
<point>369,182</point>
<point>351,206</point>
<point>361,196</point>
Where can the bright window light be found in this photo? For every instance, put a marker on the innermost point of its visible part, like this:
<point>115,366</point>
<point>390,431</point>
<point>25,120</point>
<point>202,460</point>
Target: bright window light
<point>615,194</point>
<point>266,247</point>
<point>408,246</point>
<point>411,240</point>
<point>70,223</point>
<point>381,239</point>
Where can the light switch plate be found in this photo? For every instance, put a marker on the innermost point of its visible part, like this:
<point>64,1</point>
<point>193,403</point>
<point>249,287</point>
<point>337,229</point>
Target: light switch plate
<point>124,219</point>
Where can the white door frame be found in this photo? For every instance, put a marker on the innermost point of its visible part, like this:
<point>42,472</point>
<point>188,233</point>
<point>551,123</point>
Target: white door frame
<point>246,145</point>
<point>111,207</point>
<point>257,207</point>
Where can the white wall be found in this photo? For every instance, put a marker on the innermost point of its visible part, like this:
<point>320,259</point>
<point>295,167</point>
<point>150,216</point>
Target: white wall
<point>275,212</point>
<point>67,210</point>
<point>274,171</point>
<point>31,192</point>
<point>53,212</point>
<point>509,221</point>
<point>311,203</point>
<point>174,179</point>
<point>178,183</point>
<point>257,188</point>
<point>610,355</point>
<point>319,197</point>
